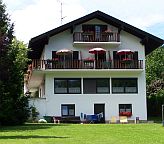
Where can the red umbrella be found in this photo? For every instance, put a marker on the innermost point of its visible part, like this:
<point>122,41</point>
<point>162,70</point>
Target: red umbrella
<point>125,51</point>
<point>97,51</point>
<point>64,52</point>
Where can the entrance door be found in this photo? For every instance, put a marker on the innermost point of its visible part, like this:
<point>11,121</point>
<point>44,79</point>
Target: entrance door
<point>100,108</point>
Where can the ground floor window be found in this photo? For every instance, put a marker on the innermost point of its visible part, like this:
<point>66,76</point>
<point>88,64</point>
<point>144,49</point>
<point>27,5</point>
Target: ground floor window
<point>68,109</point>
<point>124,85</point>
<point>125,109</point>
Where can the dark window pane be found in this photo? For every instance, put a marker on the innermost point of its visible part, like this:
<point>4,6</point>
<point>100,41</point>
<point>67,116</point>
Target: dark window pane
<point>60,86</point>
<point>74,86</point>
<point>64,109</point>
<point>93,86</point>
<point>102,85</point>
<point>89,86</point>
<point>117,86</point>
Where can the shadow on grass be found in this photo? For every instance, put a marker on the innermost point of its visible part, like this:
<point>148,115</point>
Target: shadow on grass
<point>32,136</point>
<point>28,127</point>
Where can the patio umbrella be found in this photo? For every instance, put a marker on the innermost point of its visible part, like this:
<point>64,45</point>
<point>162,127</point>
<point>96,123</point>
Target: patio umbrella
<point>64,52</point>
<point>125,51</point>
<point>97,51</point>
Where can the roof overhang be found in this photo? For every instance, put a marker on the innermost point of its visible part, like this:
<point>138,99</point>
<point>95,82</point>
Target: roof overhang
<point>150,41</point>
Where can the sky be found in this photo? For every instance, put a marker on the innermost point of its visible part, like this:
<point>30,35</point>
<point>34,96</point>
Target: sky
<point>34,17</point>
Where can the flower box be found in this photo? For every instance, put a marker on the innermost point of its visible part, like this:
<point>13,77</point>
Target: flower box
<point>128,114</point>
<point>89,59</point>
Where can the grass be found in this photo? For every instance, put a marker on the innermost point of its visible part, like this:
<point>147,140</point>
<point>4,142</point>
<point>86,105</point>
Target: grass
<point>83,134</point>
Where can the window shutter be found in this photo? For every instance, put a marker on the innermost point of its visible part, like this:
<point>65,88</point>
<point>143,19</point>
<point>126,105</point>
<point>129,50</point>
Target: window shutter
<point>54,55</point>
<point>135,55</point>
<point>75,55</point>
<point>115,56</point>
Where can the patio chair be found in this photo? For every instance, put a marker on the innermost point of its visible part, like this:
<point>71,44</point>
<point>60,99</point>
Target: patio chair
<point>56,119</point>
<point>106,65</point>
<point>113,119</point>
<point>123,119</point>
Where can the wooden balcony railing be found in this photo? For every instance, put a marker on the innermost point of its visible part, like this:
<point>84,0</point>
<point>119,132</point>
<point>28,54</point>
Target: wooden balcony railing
<point>86,64</point>
<point>92,37</point>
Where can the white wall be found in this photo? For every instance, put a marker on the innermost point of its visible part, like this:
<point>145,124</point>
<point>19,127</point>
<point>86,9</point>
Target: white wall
<point>85,102</point>
<point>40,104</point>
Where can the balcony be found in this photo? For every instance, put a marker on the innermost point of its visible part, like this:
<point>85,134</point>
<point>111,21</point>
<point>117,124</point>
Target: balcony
<point>86,64</point>
<point>89,38</point>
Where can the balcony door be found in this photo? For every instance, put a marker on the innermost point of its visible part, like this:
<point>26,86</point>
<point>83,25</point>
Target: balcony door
<point>96,30</point>
<point>100,108</point>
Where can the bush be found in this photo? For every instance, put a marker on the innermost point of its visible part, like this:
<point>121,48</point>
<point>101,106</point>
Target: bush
<point>33,114</point>
<point>14,112</point>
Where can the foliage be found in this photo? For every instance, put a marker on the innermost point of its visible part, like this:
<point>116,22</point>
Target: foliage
<point>155,81</point>
<point>83,134</point>
<point>33,113</point>
<point>155,87</point>
<point>13,53</point>
<point>155,65</point>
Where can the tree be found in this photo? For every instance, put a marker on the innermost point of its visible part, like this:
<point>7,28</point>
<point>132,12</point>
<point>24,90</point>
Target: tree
<point>155,81</point>
<point>155,65</point>
<point>13,59</point>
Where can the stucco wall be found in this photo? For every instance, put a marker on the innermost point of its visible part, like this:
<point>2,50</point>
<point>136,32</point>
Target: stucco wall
<point>85,102</point>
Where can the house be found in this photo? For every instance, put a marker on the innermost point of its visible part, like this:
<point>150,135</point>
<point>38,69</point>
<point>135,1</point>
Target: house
<point>92,65</point>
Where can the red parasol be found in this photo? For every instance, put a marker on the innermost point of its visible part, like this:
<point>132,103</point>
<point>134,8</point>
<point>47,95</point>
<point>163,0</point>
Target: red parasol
<point>64,52</point>
<point>97,51</point>
<point>123,52</point>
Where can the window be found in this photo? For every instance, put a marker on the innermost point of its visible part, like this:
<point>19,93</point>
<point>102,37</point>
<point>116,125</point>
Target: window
<point>93,86</point>
<point>124,85</point>
<point>125,109</point>
<point>67,86</point>
<point>68,109</point>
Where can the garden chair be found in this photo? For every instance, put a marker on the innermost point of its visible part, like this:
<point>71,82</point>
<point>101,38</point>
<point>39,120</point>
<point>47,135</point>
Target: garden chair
<point>123,119</point>
<point>113,119</point>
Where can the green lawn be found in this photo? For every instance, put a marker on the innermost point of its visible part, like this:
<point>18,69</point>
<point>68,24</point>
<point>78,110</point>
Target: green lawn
<point>83,134</point>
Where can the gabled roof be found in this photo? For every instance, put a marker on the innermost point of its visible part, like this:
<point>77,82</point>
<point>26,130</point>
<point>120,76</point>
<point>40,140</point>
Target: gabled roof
<point>150,41</point>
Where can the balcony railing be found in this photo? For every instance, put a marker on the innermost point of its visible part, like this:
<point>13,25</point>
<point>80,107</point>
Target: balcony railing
<point>92,37</point>
<point>86,64</point>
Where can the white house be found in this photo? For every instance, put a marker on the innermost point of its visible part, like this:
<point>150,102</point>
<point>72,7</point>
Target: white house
<point>95,64</point>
